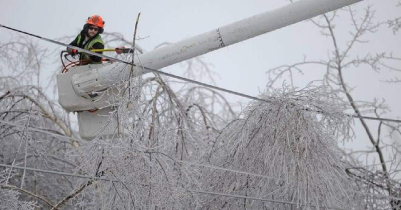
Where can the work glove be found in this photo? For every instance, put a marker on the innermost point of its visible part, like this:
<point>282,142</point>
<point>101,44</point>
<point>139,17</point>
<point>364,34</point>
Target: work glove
<point>120,50</point>
<point>72,52</point>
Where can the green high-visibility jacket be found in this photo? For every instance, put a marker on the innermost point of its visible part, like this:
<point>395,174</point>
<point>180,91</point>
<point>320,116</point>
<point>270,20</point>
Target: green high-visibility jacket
<point>89,46</point>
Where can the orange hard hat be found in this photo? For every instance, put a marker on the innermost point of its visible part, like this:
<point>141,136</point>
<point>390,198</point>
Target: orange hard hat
<point>96,20</point>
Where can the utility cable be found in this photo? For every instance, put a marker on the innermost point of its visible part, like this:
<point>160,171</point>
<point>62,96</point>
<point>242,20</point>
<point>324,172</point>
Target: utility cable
<point>260,199</point>
<point>57,173</point>
<point>183,162</point>
<point>195,191</point>
<point>62,44</point>
<point>174,76</point>
<point>111,180</point>
<point>45,132</point>
<point>124,148</point>
<point>227,169</point>
<point>179,161</point>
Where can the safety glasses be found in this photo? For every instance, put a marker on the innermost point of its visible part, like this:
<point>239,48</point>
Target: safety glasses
<point>92,28</point>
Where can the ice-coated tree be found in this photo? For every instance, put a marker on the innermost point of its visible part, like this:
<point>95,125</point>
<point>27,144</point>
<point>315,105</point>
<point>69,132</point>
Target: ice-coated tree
<point>376,169</point>
<point>183,146</point>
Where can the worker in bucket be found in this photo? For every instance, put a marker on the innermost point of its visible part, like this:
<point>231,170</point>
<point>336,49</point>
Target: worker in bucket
<point>89,39</point>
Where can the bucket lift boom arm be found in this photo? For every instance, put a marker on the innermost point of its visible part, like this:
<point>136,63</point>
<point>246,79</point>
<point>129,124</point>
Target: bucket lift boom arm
<point>209,41</point>
<point>79,87</point>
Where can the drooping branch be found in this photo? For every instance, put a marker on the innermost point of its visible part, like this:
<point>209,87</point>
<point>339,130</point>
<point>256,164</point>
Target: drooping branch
<point>29,193</point>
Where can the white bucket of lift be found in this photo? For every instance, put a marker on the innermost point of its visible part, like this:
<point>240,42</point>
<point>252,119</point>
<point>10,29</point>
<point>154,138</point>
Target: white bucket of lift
<point>99,123</point>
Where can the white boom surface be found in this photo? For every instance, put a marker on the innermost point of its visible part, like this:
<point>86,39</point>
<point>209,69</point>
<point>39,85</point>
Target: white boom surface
<point>239,31</point>
<point>228,35</point>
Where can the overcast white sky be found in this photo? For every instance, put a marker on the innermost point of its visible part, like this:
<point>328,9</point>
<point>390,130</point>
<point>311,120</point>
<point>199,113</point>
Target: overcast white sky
<point>242,67</point>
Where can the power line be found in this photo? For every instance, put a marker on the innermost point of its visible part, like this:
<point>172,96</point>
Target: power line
<point>105,179</point>
<point>286,202</point>
<point>62,44</point>
<point>117,147</point>
<point>179,161</point>
<point>57,173</point>
<point>226,169</point>
<point>376,195</point>
<point>195,191</point>
<point>375,118</point>
<point>259,199</point>
<point>175,76</point>
<point>45,132</point>
<point>109,180</point>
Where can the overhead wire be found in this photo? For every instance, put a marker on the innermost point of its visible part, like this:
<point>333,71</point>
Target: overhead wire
<point>45,132</point>
<point>195,191</point>
<point>111,180</point>
<point>175,76</point>
<point>179,161</point>
<point>56,172</point>
<point>261,199</point>
<point>124,148</point>
<point>227,169</point>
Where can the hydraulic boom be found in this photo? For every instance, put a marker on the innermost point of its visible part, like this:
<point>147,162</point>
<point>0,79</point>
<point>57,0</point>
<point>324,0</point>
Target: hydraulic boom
<point>80,87</point>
